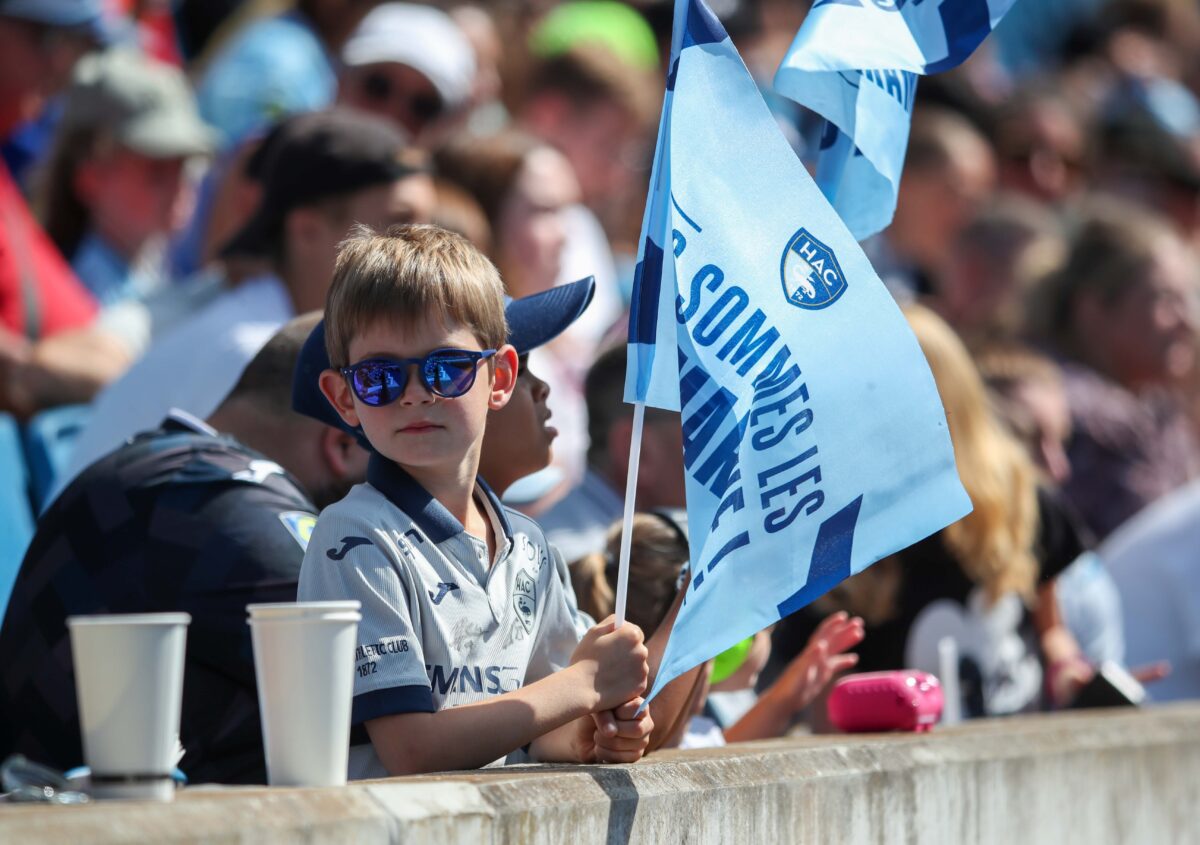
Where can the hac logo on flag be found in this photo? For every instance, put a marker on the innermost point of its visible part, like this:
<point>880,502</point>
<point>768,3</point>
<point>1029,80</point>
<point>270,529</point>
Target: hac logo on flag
<point>812,277</point>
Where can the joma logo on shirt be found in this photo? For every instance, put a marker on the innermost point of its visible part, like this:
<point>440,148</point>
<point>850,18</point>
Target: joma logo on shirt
<point>348,543</point>
<point>443,588</point>
<point>487,679</point>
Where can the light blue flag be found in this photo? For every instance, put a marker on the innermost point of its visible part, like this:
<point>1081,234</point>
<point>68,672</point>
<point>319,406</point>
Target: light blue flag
<point>855,62</point>
<point>814,439</point>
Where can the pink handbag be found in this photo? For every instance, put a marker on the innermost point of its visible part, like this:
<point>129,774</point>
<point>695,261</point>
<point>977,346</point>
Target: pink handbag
<point>899,700</point>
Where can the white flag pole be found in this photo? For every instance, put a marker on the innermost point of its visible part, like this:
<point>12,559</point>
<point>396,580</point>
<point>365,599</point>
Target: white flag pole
<point>635,458</point>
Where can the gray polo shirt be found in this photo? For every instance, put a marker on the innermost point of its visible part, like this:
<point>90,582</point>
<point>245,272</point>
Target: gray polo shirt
<point>442,625</point>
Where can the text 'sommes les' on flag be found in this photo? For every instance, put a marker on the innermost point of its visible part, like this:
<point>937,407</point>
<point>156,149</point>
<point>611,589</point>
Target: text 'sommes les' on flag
<point>814,439</point>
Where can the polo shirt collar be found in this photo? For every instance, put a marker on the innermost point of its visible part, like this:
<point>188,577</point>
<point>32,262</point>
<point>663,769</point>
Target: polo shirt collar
<point>430,515</point>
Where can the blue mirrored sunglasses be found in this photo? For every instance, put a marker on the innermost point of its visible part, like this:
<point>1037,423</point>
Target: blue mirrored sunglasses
<point>448,373</point>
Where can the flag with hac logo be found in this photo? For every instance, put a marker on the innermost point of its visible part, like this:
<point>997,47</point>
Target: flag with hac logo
<point>814,439</point>
<point>856,63</point>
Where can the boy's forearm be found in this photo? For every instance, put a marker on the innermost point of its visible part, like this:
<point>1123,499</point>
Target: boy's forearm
<point>472,735</point>
<point>560,745</point>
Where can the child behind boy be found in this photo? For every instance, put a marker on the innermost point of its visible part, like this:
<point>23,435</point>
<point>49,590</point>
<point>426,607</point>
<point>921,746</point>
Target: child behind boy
<point>658,559</point>
<point>469,646</point>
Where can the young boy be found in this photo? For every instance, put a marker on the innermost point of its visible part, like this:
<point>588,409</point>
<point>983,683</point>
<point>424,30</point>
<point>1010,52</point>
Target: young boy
<point>468,645</point>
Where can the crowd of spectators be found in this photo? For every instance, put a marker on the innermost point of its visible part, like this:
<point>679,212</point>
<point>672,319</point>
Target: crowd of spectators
<point>177,175</point>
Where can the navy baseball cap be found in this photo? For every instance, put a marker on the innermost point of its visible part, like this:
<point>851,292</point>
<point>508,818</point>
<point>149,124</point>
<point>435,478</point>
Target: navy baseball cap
<point>532,321</point>
<point>84,15</point>
<point>314,156</point>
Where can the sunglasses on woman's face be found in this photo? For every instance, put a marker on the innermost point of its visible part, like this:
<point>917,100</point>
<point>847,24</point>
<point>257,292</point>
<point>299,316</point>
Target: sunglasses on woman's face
<point>448,373</point>
<point>424,106</point>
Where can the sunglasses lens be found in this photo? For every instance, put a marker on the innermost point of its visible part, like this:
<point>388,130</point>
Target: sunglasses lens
<point>451,374</point>
<point>377,87</point>
<point>426,106</point>
<point>379,384</point>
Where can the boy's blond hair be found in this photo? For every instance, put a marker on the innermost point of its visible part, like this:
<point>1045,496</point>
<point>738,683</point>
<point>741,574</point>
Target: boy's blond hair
<point>407,274</point>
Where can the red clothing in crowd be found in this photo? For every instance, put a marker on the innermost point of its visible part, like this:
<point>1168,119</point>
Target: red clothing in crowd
<point>39,295</point>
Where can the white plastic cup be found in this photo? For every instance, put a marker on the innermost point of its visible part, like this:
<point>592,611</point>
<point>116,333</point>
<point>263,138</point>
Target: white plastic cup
<point>304,663</point>
<point>129,687</point>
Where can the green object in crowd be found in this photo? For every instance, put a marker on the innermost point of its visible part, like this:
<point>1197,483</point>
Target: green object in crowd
<point>616,26</point>
<point>730,660</point>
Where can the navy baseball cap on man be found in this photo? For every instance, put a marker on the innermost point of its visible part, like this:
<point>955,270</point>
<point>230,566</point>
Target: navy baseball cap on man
<point>316,156</point>
<point>84,15</point>
<point>532,321</point>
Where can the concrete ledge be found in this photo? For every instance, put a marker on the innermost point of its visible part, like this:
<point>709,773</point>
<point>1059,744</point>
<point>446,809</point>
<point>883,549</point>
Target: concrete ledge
<point>1105,776</point>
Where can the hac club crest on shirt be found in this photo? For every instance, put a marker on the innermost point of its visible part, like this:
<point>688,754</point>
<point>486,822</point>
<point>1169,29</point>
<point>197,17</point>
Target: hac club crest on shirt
<point>812,277</point>
<point>525,599</point>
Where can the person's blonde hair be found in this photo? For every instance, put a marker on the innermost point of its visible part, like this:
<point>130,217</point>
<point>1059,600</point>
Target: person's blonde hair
<point>657,553</point>
<point>994,544</point>
<point>410,273</point>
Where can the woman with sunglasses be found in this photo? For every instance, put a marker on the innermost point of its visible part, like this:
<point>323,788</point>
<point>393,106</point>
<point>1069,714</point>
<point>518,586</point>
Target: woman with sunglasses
<point>412,65</point>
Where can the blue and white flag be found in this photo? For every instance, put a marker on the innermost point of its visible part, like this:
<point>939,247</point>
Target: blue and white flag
<point>855,63</point>
<point>814,439</point>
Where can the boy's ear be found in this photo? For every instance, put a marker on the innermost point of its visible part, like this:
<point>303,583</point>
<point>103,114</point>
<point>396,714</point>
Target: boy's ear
<point>504,377</point>
<point>337,391</point>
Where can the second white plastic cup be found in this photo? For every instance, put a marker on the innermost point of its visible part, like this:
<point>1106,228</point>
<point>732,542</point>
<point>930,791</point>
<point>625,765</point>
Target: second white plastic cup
<point>129,687</point>
<point>304,663</point>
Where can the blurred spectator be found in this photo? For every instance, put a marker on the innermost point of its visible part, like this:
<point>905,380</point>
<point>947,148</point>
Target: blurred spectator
<point>596,109</point>
<point>994,264</point>
<point>1143,162</point>
<point>39,44</point>
<point>1028,395</point>
<point>1153,559</point>
<point>578,523</point>
<point>410,64</point>
<point>114,186</point>
<point>1122,314</point>
<point>41,301</point>
<point>277,65</point>
<point>1040,145</point>
<point>1027,389</point>
<point>328,171</point>
<point>986,580</point>
<point>527,190</point>
<point>487,112</point>
<point>459,212</point>
<point>138,323</point>
<point>949,171</point>
<point>191,516</point>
